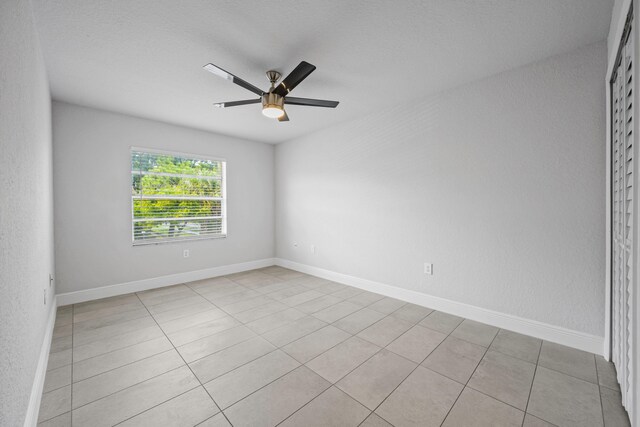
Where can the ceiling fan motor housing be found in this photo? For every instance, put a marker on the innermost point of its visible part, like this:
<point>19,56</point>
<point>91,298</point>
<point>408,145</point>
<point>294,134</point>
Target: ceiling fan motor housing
<point>272,100</point>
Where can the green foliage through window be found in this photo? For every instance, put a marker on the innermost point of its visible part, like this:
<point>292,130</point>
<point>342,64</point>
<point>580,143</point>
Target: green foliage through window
<point>176,197</point>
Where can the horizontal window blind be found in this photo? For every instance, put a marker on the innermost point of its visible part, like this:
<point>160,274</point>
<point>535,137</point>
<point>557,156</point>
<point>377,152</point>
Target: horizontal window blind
<point>176,197</point>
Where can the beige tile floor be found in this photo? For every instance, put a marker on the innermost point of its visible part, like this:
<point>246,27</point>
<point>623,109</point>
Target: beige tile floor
<point>274,346</point>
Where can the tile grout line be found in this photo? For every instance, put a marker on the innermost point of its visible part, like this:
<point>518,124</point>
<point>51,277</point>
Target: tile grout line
<point>385,346</point>
<point>163,324</point>
<point>117,349</point>
<point>347,315</point>
<point>568,375</point>
<point>304,364</point>
<point>314,398</point>
<point>333,384</point>
<point>206,336</point>
<point>72,364</point>
<point>297,367</point>
<point>187,365</point>
<point>190,306</point>
<point>102,318</point>
<point>225,348</point>
<point>471,376</point>
<point>418,365</point>
<point>78,329</point>
<point>266,385</point>
<point>159,298</point>
<point>288,307</point>
<point>77,306</point>
<point>352,335</point>
<point>536,367</point>
<point>215,306</point>
<point>465,385</point>
<point>599,391</point>
<point>244,364</point>
<point>128,387</point>
<point>212,417</point>
<point>298,338</point>
<point>126,364</point>
<point>495,398</point>
<point>526,408</point>
<point>121,324</point>
<point>57,388</point>
<point>232,316</point>
<point>260,388</point>
<point>241,323</point>
<point>161,403</point>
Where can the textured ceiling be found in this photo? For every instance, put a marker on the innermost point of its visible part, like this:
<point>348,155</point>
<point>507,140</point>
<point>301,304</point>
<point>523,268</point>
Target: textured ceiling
<point>145,57</point>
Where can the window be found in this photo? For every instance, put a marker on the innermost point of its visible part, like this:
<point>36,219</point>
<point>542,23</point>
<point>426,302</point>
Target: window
<point>176,197</point>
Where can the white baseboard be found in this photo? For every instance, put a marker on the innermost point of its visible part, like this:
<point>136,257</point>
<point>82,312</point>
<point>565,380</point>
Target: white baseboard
<point>41,370</point>
<point>534,328</point>
<point>159,282</point>
<point>545,331</point>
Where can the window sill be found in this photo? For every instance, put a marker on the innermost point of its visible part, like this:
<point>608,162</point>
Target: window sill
<point>179,240</point>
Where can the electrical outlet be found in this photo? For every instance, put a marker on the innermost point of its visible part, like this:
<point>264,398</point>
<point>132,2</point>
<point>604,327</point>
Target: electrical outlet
<point>185,253</point>
<point>428,268</point>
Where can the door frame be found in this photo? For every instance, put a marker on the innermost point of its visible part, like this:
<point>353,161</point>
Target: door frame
<point>614,46</point>
<point>614,49</point>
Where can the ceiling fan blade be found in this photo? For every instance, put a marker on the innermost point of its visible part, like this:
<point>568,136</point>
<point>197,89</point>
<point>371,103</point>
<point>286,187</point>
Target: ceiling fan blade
<point>284,117</point>
<point>294,78</point>
<point>237,80</point>
<point>310,102</point>
<point>236,103</point>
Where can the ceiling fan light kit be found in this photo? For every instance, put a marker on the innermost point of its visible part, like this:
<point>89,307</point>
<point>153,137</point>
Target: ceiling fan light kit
<point>272,105</point>
<point>276,97</point>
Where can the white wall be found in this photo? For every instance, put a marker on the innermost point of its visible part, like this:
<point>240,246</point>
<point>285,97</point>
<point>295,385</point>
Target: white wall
<point>499,183</point>
<point>92,188</point>
<point>26,211</point>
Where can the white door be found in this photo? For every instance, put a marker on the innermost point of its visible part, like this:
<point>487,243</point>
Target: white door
<point>623,170</point>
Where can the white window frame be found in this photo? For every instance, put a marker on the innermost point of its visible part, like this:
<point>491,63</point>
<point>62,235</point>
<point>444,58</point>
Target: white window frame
<point>223,198</point>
